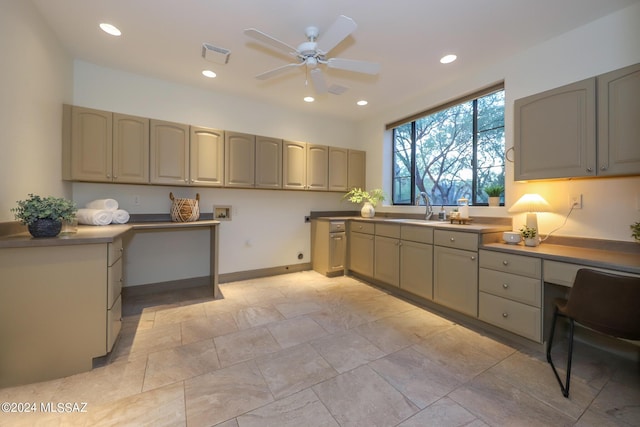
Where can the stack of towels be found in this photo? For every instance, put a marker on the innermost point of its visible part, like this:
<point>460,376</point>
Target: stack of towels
<point>102,212</point>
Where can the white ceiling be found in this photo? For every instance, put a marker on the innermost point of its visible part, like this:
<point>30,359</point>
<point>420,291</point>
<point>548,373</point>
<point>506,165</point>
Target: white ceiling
<point>163,39</point>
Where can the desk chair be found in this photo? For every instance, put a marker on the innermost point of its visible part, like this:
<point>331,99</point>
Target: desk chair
<point>607,303</point>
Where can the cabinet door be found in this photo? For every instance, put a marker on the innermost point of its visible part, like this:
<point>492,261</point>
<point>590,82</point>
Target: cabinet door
<point>206,166</point>
<point>338,168</point>
<point>268,162</point>
<point>240,159</point>
<point>555,133</point>
<point>317,167</point>
<point>91,145</point>
<point>337,246</point>
<point>294,165</point>
<point>618,124</point>
<point>361,253</point>
<point>130,149</point>
<point>169,153</point>
<point>386,266</point>
<point>357,169</point>
<point>416,268</point>
<point>455,279</point>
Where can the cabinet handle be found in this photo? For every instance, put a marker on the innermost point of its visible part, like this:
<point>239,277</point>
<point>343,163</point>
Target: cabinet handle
<point>505,262</point>
<point>589,169</point>
<point>186,180</point>
<point>109,176</point>
<point>603,168</point>
<point>452,239</point>
<point>505,315</point>
<point>473,258</point>
<point>505,285</point>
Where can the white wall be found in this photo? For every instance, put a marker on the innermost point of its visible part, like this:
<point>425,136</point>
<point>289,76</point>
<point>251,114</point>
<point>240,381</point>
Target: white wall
<point>610,205</point>
<point>35,79</point>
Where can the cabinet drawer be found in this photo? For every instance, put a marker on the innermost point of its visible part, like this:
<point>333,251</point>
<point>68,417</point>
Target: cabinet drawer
<point>512,316</point>
<point>336,226</point>
<point>456,239</point>
<point>388,230</point>
<point>416,233</point>
<point>115,250</point>
<point>511,286</point>
<point>509,263</point>
<point>363,227</point>
<point>114,282</point>
<point>114,323</point>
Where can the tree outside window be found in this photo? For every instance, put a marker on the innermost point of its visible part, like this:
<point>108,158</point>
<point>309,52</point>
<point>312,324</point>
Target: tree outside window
<point>451,153</point>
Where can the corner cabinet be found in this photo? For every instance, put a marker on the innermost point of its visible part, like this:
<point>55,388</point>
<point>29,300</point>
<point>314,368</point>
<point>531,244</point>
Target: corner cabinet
<point>584,129</point>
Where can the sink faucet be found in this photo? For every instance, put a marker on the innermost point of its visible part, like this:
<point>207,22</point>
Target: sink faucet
<point>429,210</point>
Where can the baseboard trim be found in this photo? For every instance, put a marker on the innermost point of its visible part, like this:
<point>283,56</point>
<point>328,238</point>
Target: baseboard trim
<point>262,272</point>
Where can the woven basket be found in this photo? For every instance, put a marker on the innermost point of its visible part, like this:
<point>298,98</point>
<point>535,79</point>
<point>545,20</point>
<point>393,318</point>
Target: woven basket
<point>185,210</point>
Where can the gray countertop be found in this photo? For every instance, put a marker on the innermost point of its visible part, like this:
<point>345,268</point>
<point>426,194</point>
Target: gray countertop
<point>476,226</point>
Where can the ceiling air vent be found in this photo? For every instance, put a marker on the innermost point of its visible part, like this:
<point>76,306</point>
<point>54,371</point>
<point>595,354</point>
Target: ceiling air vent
<point>215,54</point>
<point>337,89</point>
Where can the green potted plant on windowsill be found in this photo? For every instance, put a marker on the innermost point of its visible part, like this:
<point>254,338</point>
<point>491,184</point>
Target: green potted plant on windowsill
<point>494,191</point>
<point>43,216</point>
<point>530,235</point>
<point>635,231</point>
<point>369,199</point>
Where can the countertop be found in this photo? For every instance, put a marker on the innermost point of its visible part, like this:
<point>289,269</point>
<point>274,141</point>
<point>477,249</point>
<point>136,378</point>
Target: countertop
<point>476,226</point>
<point>88,234</point>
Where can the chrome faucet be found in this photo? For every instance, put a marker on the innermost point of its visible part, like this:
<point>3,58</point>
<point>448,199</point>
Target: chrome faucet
<point>429,210</point>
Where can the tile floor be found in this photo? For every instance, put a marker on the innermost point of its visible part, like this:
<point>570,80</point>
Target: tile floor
<point>304,350</point>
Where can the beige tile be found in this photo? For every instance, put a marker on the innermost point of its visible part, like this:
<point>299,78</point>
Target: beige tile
<point>211,326</point>
<point>140,343</point>
<point>337,319</point>
<point>224,394</point>
<point>291,332</point>
<point>443,413</point>
<point>291,370</point>
<point>415,376</point>
<point>252,316</point>
<point>361,398</point>
<point>245,345</point>
<point>380,306</point>
<point>179,363</point>
<point>301,409</point>
<point>499,403</point>
<point>619,402</point>
<point>179,314</point>
<point>387,336</point>
<point>296,308</point>
<point>346,350</point>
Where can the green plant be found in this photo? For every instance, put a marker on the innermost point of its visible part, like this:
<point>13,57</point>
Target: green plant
<point>528,232</point>
<point>358,195</point>
<point>635,231</point>
<point>494,190</point>
<point>36,207</point>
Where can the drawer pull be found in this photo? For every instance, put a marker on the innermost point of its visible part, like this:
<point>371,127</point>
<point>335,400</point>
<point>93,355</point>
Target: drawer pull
<point>505,315</point>
<point>505,285</point>
<point>473,258</point>
<point>452,239</point>
<point>505,262</point>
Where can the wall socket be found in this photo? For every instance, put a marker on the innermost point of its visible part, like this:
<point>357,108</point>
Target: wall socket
<point>575,201</point>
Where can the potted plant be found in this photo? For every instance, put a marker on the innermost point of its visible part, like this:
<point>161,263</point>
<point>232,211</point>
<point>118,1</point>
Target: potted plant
<point>369,198</point>
<point>494,191</point>
<point>43,216</point>
<point>530,235</point>
<point>635,231</point>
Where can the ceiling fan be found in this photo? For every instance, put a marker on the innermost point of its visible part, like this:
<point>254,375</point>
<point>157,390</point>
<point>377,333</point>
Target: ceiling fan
<point>314,51</point>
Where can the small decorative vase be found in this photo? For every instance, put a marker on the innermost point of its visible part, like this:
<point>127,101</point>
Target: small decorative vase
<point>531,242</point>
<point>367,211</point>
<point>45,228</point>
<point>494,201</point>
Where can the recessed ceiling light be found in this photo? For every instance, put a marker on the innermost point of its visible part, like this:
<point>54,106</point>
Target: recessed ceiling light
<point>362,102</point>
<point>209,73</point>
<point>110,29</point>
<point>309,99</point>
<point>447,59</point>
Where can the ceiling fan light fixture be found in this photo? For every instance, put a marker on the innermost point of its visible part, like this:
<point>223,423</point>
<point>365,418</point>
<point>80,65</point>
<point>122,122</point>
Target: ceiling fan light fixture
<point>110,29</point>
<point>309,99</point>
<point>447,59</point>
<point>209,73</point>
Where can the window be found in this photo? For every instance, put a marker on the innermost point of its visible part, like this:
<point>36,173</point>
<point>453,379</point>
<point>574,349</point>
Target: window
<point>451,152</point>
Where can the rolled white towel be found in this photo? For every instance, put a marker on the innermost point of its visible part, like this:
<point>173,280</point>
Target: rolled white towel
<point>94,216</point>
<point>105,204</point>
<point>120,216</point>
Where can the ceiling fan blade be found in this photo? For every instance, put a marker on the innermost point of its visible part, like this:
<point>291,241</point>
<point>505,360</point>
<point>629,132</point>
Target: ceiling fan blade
<point>338,31</point>
<point>354,65</point>
<point>319,83</point>
<point>272,73</point>
<point>265,38</point>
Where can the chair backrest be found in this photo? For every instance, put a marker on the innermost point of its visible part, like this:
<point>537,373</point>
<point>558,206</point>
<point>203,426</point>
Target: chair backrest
<point>608,303</point>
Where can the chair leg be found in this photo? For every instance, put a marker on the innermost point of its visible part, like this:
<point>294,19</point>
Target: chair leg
<point>565,389</point>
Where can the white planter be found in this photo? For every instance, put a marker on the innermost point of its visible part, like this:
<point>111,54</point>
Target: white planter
<point>534,241</point>
<point>494,201</point>
<point>367,211</point>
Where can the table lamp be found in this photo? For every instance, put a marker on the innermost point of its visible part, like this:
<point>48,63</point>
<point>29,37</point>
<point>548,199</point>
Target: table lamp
<point>531,204</point>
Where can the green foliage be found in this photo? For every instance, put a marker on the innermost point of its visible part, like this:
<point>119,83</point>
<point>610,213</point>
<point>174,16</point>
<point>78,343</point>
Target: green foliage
<point>36,207</point>
<point>635,231</point>
<point>528,232</point>
<point>494,190</point>
<point>358,195</point>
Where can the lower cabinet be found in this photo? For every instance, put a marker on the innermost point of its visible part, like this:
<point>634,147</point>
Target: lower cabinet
<point>416,268</point>
<point>386,267</point>
<point>361,250</point>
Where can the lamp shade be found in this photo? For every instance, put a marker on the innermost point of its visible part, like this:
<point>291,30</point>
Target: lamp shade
<point>530,203</point>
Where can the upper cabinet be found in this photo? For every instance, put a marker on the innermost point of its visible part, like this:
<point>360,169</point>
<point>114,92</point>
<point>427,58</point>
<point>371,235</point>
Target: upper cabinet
<point>268,162</point>
<point>240,159</point>
<point>338,169</point>
<point>305,166</point>
<point>101,146</point>
<point>317,167</point>
<point>555,131</point>
<point>206,153</point>
<point>169,153</point>
<point>357,169</point>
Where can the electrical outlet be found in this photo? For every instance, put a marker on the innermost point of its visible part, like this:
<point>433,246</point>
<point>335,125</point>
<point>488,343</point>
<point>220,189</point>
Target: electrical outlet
<point>575,201</point>
<point>136,200</point>
<point>307,219</point>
